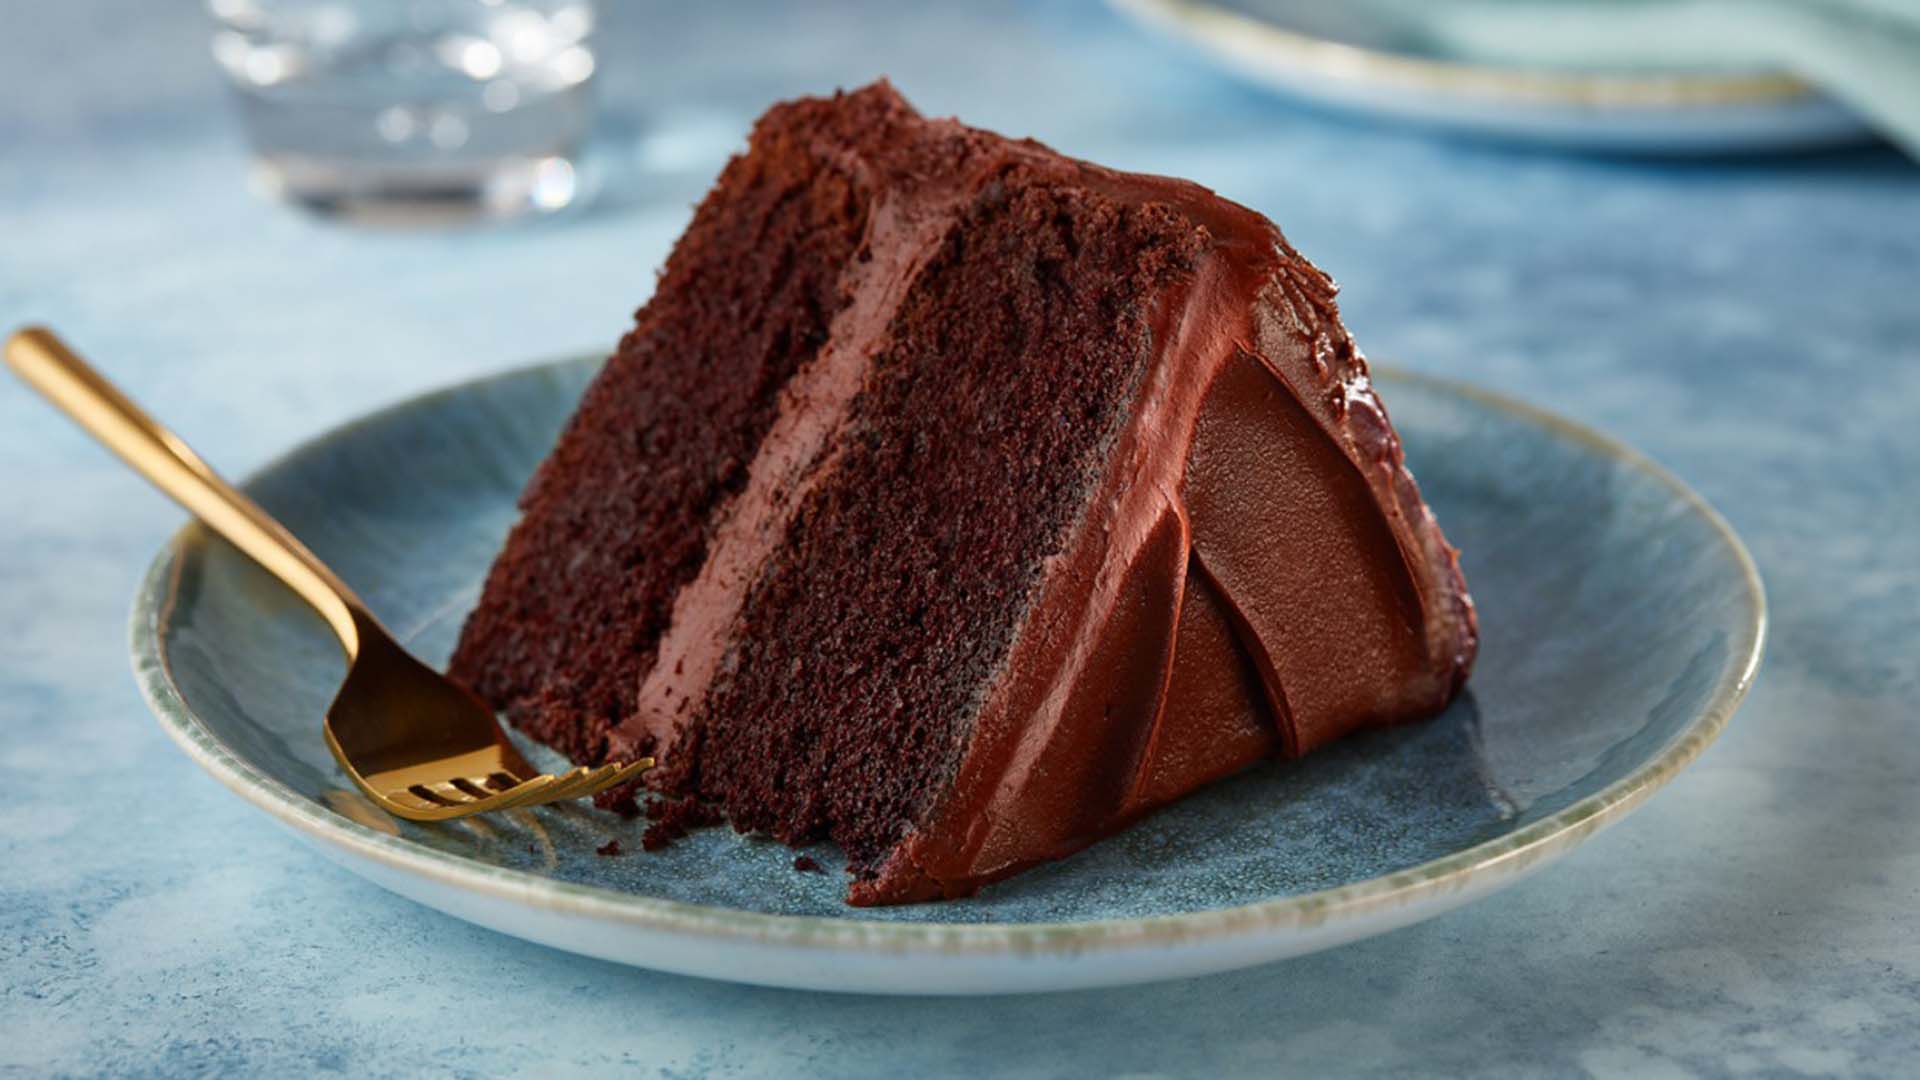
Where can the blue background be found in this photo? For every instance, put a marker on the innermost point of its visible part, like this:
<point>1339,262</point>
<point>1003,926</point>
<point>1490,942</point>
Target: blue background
<point>1755,325</point>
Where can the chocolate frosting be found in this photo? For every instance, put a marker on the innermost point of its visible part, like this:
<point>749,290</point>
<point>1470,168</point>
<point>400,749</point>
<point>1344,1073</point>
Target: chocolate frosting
<point>1258,576</point>
<point>1255,575</point>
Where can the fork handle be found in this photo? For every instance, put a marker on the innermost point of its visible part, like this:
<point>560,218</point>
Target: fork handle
<point>47,365</point>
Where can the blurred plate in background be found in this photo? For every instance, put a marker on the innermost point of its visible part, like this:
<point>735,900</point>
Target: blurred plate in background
<point>1337,55</point>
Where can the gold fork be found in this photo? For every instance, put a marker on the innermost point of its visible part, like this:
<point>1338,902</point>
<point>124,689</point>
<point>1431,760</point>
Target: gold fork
<point>419,745</point>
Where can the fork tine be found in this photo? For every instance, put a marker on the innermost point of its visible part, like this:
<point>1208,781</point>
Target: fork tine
<point>525,793</point>
<point>411,801</point>
<point>474,788</point>
<point>458,797</point>
<point>592,780</point>
<point>452,793</point>
<point>625,773</point>
<point>542,789</point>
<point>571,786</point>
<point>436,795</point>
<point>410,804</point>
<point>462,795</point>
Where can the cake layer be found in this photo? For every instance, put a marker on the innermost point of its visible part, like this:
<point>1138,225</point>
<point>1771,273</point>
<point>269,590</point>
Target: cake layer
<point>858,657</point>
<point>619,518</point>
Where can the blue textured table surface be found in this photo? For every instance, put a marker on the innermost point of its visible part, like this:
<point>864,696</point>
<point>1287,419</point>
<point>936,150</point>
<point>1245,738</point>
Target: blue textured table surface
<point>1755,325</point>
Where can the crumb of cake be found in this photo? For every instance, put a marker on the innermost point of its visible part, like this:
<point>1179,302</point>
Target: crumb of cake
<point>806,864</point>
<point>608,849</point>
<point>623,800</point>
<point>674,818</point>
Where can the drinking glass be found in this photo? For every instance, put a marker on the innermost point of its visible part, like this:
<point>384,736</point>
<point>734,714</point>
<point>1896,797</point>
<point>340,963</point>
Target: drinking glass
<point>411,109</point>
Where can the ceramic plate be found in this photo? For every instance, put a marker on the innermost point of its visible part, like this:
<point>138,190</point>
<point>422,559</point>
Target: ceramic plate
<point>1622,623</point>
<point>1336,55</point>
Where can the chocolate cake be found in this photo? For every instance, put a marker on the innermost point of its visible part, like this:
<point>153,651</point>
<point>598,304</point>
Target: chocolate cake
<point>958,503</point>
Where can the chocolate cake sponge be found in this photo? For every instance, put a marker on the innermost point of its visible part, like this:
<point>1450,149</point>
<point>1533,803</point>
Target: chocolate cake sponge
<point>958,503</point>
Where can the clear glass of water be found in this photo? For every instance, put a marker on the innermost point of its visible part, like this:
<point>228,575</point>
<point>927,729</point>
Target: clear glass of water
<point>409,110</point>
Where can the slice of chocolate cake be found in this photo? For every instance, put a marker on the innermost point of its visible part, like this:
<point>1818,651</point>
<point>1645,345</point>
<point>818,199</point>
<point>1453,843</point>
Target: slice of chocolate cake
<point>958,503</point>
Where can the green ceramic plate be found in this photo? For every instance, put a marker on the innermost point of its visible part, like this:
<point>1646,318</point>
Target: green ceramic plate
<point>1622,623</point>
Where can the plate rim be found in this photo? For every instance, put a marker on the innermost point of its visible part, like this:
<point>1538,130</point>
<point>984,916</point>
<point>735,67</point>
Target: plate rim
<point>1497,860</point>
<point>1237,33</point>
